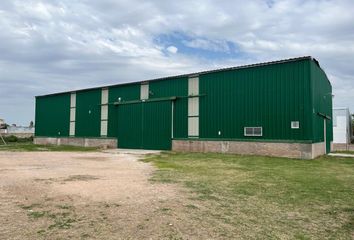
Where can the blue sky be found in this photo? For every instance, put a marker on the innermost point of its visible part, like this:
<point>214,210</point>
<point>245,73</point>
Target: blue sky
<point>201,47</point>
<point>61,45</point>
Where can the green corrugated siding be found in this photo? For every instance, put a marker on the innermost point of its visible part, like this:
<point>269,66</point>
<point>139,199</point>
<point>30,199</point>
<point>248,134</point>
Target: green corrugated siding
<point>148,125</point>
<point>52,115</point>
<point>129,125</point>
<point>268,96</point>
<point>88,113</point>
<point>174,87</point>
<point>126,93</point>
<point>145,125</point>
<point>322,103</point>
<point>180,119</point>
<point>157,125</point>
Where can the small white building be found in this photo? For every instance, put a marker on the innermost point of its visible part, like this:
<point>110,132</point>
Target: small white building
<point>20,130</point>
<point>2,124</point>
<point>342,127</point>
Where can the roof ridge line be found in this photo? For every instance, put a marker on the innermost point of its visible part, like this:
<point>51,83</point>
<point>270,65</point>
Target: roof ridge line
<point>192,74</point>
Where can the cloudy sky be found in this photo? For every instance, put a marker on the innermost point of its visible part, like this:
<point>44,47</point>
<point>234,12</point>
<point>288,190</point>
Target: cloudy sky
<point>60,45</point>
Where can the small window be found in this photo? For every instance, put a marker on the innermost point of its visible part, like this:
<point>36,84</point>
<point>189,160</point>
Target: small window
<point>257,131</point>
<point>295,125</point>
<point>253,131</point>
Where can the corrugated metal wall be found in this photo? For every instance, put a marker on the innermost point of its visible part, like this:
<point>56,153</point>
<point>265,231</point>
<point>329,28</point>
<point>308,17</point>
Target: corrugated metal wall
<point>157,125</point>
<point>129,124</point>
<point>88,113</point>
<point>169,88</point>
<point>148,125</point>
<point>53,115</point>
<point>125,93</point>
<point>268,96</point>
<point>145,125</point>
<point>321,103</point>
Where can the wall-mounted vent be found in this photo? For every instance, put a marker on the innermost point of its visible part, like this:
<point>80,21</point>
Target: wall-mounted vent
<point>295,124</point>
<point>253,131</point>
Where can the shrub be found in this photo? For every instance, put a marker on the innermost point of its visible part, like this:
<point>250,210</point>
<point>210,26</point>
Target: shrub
<point>11,138</point>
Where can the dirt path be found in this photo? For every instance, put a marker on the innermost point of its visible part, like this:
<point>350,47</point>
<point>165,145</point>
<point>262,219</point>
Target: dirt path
<point>57,195</point>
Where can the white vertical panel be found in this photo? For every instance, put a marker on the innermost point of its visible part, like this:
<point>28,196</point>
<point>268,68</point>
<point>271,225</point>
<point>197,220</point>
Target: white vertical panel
<point>144,91</point>
<point>72,114</point>
<point>103,128</point>
<point>73,100</point>
<point>193,86</point>
<point>72,129</point>
<point>193,126</point>
<point>104,112</point>
<point>193,106</point>
<point>104,96</point>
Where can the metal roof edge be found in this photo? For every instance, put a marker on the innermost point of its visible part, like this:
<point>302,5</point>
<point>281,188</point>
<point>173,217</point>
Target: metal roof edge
<point>318,65</point>
<point>192,74</point>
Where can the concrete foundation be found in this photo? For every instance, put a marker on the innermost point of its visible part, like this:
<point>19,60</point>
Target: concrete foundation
<point>80,142</point>
<point>289,150</point>
<point>343,147</point>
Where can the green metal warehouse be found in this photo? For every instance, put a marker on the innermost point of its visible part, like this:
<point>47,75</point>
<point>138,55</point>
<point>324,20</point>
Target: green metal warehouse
<point>280,108</point>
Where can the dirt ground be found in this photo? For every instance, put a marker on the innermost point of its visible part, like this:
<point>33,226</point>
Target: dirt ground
<point>96,195</point>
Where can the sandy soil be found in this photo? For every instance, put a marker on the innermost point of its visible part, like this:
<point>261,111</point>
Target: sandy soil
<point>99,195</point>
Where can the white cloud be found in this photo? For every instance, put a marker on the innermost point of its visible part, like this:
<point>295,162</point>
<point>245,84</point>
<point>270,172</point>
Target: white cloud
<point>172,49</point>
<point>50,46</point>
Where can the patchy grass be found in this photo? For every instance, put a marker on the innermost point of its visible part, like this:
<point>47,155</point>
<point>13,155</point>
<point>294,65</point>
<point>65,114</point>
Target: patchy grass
<point>346,152</point>
<point>36,214</point>
<point>30,147</point>
<point>80,178</point>
<point>64,206</point>
<point>62,223</point>
<point>265,197</point>
<point>62,217</point>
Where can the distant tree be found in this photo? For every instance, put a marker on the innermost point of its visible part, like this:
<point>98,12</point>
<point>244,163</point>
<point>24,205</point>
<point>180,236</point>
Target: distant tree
<point>31,124</point>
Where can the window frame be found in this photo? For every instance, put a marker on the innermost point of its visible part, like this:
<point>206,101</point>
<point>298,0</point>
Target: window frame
<point>295,127</point>
<point>253,132</point>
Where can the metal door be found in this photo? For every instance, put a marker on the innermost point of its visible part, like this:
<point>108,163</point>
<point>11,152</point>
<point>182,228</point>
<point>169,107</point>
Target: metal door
<point>145,125</point>
<point>129,126</point>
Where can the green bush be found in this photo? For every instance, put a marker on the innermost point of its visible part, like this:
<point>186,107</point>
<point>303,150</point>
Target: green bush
<point>11,138</point>
<point>14,139</point>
